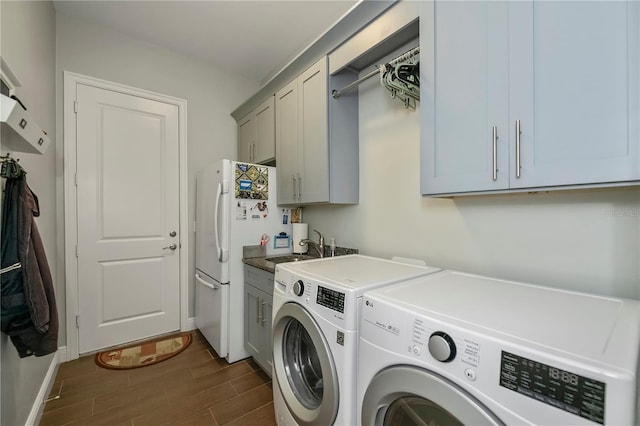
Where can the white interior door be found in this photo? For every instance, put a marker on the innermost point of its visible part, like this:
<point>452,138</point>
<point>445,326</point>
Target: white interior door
<point>128,218</point>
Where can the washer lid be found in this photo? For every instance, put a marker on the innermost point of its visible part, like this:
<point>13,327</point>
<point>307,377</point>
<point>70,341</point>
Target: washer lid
<point>586,325</point>
<point>356,271</point>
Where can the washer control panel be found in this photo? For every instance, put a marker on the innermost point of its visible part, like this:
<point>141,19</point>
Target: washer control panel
<point>324,296</point>
<point>331,299</point>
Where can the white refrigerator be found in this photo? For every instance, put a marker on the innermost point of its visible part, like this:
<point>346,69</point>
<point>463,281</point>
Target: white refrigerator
<point>236,205</point>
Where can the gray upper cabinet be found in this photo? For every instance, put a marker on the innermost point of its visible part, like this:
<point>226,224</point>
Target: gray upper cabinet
<point>575,87</point>
<point>287,143</point>
<point>565,74</point>
<point>316,140</point>
<point>256,134</point>
<point>246,137</point>
<point>464,95</point>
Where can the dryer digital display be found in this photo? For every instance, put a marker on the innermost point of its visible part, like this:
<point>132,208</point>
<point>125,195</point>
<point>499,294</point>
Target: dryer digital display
<point>563,389</point>
<point>331,299</point>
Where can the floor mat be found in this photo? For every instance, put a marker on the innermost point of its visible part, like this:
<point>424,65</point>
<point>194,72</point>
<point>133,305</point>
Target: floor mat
<point>144,353</point>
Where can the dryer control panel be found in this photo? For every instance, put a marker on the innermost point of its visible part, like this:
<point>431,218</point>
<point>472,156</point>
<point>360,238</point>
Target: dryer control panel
<point>563,389</point>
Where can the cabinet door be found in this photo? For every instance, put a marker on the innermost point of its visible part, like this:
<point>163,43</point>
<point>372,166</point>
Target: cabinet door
<point>254,330</point>
<point>265,146</point>
<point>464,96</point>
<point>287,143</point>
<point>574,86</point>
<point>314,128</point>
<point>246,138</point>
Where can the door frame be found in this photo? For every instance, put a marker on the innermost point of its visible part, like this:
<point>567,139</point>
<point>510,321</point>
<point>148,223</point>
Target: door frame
<point>71,80</point>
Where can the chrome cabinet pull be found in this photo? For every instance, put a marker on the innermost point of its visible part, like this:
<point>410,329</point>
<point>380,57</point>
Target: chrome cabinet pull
<point>294,187</point>
<point>258,315</point>
<point>262,312</point>
<point>495,153</point>
<point>518,133</point>
<point>299,188</point>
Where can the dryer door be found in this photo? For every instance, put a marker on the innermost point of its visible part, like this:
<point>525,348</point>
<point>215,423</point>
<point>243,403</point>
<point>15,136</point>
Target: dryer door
<point>403,396</point>
<point>304,367</point>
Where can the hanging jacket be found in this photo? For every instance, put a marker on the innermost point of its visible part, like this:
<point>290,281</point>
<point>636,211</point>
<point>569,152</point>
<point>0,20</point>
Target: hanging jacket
<point>29,313</point>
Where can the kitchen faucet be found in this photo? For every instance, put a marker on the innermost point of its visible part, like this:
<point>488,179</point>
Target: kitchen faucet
<point>319,246</point>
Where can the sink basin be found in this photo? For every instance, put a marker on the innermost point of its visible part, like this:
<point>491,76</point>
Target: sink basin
<point>289,258</point>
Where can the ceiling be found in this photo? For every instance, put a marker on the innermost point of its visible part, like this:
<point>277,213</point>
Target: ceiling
<point>253,38</point>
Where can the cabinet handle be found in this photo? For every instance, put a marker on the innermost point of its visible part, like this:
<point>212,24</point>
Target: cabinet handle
<point>495,153</point>
<point>294,186</point>
<point>258,316</point>
<point>262,312</point>
<point>299,188</point>
<point>518,133</point>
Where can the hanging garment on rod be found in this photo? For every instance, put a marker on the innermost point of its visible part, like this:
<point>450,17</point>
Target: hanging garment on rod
<point>409,55</point>
<point>29,313</point>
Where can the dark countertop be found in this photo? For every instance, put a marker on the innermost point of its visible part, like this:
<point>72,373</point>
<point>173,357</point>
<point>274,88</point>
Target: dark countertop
<point>261,262</point>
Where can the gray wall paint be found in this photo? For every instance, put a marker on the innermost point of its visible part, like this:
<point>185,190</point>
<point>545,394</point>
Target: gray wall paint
<point>211,94</point>
<point>28,46</point>
<point>584,240</point>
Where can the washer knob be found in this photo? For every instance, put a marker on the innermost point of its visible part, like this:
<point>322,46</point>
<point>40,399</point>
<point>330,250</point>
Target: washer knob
<point>298,288</point>
<point>442,347</point>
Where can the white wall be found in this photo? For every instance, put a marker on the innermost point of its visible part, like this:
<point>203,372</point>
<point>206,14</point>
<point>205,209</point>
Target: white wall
<point>92,50</point>
<point>28,46</point>
<point>586,240</point>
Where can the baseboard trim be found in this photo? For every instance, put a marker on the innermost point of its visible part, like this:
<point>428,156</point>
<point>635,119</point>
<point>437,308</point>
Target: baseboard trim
<point>45,389</point>
<point>191,324</point>
<point>62,355</point>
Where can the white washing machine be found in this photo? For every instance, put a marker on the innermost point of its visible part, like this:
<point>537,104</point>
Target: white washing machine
<point>453,349</point>
<point>316,311</point>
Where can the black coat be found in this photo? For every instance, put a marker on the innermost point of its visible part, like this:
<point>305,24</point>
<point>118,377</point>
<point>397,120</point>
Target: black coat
<point>29,314</point>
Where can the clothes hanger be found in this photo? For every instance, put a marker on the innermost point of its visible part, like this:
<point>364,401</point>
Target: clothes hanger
<point>398,89</point>
<point>10,168</point>
<point>409,74</point>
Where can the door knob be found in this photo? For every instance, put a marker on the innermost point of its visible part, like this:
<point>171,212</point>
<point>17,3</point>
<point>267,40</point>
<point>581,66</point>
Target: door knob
<point>171,247</point>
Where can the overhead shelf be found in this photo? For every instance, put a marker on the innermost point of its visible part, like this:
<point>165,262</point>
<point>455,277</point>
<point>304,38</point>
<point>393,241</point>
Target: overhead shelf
<point>393,29</point>
<point>19,131</point>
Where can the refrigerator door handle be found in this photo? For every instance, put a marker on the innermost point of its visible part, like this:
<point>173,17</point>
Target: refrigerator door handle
<point>215,222</point>
<point>206,284</point>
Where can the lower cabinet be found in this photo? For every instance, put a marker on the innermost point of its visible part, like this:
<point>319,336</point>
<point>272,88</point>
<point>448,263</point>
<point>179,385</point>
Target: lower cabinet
<point>258,307</point>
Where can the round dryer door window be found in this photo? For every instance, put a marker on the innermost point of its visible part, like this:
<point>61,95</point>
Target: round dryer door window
<point>304,369</point>
<point>407,396</point>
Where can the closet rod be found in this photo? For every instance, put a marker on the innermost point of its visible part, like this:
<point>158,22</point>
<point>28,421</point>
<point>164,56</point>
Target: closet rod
<point>337,93</point>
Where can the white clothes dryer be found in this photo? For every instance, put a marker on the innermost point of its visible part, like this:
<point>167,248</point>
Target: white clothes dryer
<point>453,349</point>
<point>316,312</point>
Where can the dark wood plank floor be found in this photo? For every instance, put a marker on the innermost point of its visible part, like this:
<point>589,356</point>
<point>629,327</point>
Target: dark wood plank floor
<point>195,387</point>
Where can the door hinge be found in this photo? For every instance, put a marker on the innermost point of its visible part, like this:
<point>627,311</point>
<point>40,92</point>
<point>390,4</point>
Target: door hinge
<point>76,250</point>
<point>77,321</point>
<point>75,106</point>
<point>75,179</point>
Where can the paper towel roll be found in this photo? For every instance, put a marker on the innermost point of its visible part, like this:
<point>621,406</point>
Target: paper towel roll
<point>300,232</point>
